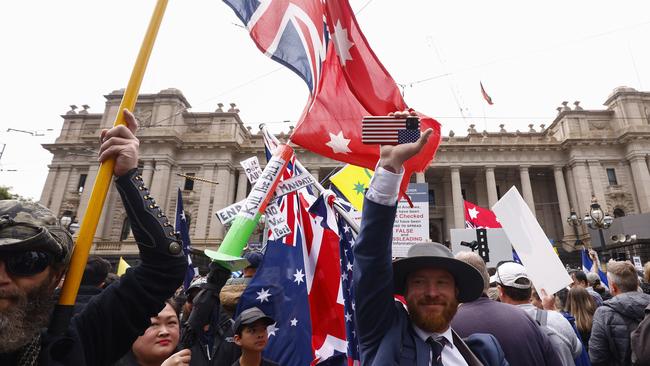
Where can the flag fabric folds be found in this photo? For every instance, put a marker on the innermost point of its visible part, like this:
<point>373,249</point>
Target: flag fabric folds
<point>183,228</point>
<point>122,266</point>
<point>345,78</point>
<point>587,265</point>
<point>477,217</point>
<point>352,181</point>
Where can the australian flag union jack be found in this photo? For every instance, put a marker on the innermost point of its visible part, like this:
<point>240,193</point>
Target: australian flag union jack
<point>292,32</point>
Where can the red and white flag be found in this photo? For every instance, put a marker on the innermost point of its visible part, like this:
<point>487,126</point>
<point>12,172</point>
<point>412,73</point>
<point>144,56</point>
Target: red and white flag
<point>477,217</point>
<point>487,98</point>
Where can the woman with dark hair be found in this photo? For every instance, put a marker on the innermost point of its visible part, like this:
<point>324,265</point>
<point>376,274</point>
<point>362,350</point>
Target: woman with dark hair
<point>581,305</point>
<point>157,346</point>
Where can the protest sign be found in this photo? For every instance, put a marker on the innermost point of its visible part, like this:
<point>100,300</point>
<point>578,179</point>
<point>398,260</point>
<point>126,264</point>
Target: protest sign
<point>527,237</point>
<point>252,169</point>
<point>497,247</point>
<point>412,224</point>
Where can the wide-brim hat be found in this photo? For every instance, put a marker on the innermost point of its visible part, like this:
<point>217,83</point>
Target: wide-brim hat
<point>469,281</point>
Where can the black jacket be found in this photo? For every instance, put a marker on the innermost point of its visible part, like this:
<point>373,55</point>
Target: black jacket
<point>83,297</point>
<point>613,322</point>
<point>105,330</point>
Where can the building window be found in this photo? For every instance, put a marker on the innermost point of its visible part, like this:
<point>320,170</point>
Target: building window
<point>618,212</point>
<point>189,182</point>
<point>126,229</point>
<point>462,192</point>
<point>498,193</point>
<point>432,198</point>
<point>611,177</point>
<point>82,183</point>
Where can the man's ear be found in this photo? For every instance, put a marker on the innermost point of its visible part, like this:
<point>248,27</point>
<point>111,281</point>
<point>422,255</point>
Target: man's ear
<point>237,339</point>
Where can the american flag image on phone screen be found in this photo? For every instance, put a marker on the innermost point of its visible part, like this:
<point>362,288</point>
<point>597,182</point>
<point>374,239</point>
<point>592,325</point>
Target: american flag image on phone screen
<point>387,130</point>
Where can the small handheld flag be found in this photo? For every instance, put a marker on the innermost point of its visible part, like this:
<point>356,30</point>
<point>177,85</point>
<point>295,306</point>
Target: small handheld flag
<point>387,130</point>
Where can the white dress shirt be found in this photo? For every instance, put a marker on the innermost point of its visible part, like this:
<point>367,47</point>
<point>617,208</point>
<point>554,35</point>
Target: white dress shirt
<point>450,355</point>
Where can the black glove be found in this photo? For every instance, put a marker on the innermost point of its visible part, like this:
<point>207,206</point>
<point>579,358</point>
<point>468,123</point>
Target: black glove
<point>217,276</point>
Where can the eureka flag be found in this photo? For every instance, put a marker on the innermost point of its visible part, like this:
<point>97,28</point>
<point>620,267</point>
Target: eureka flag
<point>352,181</point>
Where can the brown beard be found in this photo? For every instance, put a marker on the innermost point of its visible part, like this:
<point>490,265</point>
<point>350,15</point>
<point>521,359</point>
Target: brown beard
<point>433,323</point>
<point>23,320</point>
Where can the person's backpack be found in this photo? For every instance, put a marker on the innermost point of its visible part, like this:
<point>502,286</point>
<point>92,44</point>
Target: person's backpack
<point>557,339</point>
<point>632,328</point>
<point>640,340</point>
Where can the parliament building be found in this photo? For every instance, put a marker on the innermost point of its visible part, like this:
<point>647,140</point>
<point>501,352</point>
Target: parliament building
<point>580,157</point>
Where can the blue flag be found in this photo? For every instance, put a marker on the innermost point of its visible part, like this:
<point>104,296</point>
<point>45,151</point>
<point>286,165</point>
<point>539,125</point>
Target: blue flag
<point>587,263</point>
<point>279,289</point>
<point>183,229</point>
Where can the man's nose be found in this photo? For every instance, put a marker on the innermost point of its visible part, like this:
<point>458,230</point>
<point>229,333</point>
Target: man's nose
<point>4,276</point>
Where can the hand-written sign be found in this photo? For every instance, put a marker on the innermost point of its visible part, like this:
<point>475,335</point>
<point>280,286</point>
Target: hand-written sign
<point>293,184</point>
<point>252,169</point>
<point>262,190</point>
<point>277,222</point>
<point>227,214</point>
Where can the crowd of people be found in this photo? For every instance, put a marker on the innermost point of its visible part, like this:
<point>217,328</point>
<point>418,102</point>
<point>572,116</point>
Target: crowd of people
<point>455,310</point>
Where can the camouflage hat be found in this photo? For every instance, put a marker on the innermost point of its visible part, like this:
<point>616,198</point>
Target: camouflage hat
<point>26,225</point>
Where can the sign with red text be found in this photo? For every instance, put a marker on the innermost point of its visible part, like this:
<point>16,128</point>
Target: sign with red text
<point>411,223</point>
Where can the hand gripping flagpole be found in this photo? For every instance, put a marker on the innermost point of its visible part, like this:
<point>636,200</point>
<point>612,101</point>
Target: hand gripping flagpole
<point>232,246</point>
<point>63,311</point>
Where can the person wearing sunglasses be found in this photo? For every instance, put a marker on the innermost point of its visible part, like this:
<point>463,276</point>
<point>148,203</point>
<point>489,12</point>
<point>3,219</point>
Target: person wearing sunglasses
<point>35,251</point>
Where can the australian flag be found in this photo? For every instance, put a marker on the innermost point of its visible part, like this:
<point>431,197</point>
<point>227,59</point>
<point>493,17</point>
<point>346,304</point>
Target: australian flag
<point>184,230</point>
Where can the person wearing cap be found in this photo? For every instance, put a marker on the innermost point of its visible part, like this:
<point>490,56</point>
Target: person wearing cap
<point>430,279</point>
<point>35,251</point>
<point>251,335</point>
<point>520,337</point>
<point>515,288</point>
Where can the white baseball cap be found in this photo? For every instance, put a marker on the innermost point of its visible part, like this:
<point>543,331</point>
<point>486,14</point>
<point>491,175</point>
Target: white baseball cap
<point>508,273</point>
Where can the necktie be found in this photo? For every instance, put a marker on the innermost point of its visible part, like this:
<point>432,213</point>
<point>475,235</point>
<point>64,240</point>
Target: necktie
<point>436,346</point>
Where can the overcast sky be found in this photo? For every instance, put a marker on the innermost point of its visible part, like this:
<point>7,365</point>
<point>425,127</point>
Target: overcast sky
<point>529,55</point>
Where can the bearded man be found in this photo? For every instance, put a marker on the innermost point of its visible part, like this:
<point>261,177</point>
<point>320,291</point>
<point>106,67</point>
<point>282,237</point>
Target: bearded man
<point>430,279</point>
<point>35,252</point>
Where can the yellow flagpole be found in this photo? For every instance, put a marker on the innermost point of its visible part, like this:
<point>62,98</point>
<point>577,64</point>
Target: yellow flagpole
<point>88,227</point>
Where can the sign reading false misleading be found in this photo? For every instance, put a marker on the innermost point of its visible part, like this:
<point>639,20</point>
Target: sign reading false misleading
<point>412,224</point>
<point>543,266</point>
<point>252,169</point>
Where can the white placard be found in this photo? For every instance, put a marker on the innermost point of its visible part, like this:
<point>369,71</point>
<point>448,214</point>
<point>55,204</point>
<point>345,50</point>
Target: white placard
<point>498,244</point>
<point>227,214</point>
<point>252,169</point>
<point>637,262</point>
<point>276,221</point>
<point>542,264</point>
<point>293,184</point>
<point>261,191</point>
<point>411,224</point>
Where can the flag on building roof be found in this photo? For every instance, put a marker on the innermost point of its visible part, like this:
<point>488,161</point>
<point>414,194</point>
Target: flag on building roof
<point>352,181</point>
<point>477,217</point>
<point>487,98</point>
<point>344,76</point>
<point>183,229</point>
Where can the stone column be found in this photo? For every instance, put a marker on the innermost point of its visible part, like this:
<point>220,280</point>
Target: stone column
<point>595,170</point>
<point>583,187</point>
<point>220,201</point>
<point>563,199</point>
<point>147,172</point>
<point>449,207</point>
<point>242,184</point>
<point>641,178</point>
<point>59,190</point>
<point>457,197</point>
<point>46,195</point>
<point>85,196</point>
<point>419,178</point>
<point>105,223</point>
<point>491,185</point>
<point>571,190</point>
<point>160,183</point>
<point>527,190</point>
<point>232,193</point>
<point>201,219</point>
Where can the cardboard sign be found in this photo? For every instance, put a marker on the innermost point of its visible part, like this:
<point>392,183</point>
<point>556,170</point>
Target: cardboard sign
<point>227,214</point>
<point>262,190</point>
<point>637,262</point>
<point>293,184</point>
<point>252,169</point>
<point>496,246</point>
<point>411,224</point>
<point>542,264</point>
<point>276,221</point>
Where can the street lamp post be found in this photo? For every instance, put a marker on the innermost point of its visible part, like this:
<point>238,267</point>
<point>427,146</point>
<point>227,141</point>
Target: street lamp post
<point>574,220</point>
<point>598,220</point>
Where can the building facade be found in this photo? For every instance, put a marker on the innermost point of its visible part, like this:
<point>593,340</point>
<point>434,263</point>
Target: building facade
<point>582,154</point>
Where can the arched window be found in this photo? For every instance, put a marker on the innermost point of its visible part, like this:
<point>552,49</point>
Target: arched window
<point>618,212</point>
<point>126,229</point>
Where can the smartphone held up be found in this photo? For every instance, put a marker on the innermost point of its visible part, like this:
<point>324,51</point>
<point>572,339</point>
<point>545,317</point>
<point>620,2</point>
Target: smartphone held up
<point>390,130</point>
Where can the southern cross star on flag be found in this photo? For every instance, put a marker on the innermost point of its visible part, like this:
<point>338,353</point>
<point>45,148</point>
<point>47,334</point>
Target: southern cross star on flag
<point>345,78</point>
